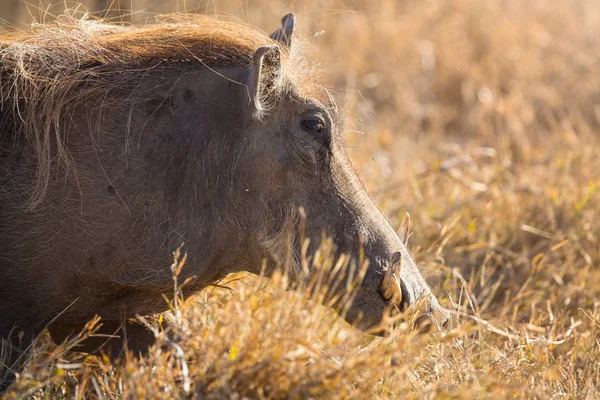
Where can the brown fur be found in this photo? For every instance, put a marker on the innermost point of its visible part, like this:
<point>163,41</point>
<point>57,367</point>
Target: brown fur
<point>118,144</point>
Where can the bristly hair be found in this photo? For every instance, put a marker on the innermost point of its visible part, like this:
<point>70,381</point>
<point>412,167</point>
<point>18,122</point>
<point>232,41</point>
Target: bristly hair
<point>55,66</point>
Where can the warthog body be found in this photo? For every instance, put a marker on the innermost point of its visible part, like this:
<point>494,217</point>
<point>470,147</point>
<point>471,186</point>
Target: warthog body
<point>119,144</point>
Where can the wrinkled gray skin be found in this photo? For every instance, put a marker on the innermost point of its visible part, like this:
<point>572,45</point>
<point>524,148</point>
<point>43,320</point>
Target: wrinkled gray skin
<point>200,162</point>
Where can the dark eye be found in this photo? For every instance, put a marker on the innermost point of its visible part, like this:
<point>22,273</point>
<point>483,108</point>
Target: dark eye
<point>314,125</point>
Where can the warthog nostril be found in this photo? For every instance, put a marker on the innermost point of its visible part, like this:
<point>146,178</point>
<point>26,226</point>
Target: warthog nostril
<point>445,323</point>
<point>443,318</point>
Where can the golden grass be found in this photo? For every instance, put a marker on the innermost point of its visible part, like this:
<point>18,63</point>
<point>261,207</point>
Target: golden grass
<point>481,119</point>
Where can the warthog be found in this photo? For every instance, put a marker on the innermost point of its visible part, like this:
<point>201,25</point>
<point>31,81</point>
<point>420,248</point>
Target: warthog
<point>120,143</point>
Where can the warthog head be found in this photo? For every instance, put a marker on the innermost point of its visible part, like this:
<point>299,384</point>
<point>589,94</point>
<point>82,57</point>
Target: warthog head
<point>296,157</point>
<point>206,133</point>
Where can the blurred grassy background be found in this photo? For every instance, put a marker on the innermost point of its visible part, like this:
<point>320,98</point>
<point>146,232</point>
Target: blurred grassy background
<point>481,119</point>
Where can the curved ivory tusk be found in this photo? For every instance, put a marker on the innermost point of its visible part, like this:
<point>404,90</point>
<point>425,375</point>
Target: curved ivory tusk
<point>390,285</point>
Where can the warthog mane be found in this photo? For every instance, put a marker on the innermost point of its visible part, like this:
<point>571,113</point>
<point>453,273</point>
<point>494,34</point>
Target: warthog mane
<point>53,68</point>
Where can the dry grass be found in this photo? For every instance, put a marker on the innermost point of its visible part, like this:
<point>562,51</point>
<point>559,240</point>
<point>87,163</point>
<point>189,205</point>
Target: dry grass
<point>481,119</point>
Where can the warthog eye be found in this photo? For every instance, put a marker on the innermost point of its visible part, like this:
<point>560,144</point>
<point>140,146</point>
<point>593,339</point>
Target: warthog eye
<point>314,125</point>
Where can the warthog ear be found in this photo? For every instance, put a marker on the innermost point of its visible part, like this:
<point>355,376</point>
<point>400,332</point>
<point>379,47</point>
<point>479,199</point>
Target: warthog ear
<point>284,34</point>
<point>265,77</point>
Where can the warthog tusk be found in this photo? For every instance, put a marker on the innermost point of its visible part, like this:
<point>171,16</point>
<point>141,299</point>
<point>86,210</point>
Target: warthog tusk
<point>390,285</point>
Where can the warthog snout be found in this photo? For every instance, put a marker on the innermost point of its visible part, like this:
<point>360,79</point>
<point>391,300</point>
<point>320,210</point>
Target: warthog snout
<point>395,293</point>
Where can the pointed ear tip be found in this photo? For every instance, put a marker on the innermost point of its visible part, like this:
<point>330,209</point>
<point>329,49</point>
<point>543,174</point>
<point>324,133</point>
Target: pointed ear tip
<point>288,23</point>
